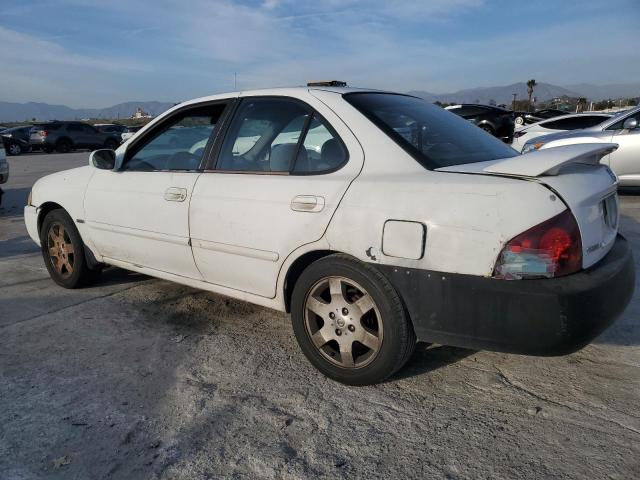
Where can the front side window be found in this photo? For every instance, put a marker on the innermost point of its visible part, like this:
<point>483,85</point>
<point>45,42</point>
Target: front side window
<point>263,136</point>
<point>433,136</point>
<point>620,124</point>
<point>178,144</point>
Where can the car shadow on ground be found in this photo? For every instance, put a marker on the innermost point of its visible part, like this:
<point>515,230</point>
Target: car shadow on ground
<point>119,276</point>
<point>21,245</point>
<point>13,201</point>
<point>426,358</point>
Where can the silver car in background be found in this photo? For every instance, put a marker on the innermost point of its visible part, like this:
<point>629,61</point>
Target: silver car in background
<point>562,123</point>
<point>623,129</point>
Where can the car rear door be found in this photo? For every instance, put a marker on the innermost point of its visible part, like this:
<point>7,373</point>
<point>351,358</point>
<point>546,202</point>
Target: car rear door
<point>139,213</point>
<point>279,174</point>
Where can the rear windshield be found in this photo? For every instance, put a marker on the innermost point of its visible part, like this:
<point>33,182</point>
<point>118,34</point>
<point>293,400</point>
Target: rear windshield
<point>434,137</point>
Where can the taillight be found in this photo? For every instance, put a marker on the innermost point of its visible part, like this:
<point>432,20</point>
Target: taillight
<point>519,134</point>
<point>43,133</point>
<point>551,249</point>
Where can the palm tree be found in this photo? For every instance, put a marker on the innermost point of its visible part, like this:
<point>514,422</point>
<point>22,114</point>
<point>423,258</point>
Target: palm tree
<point>530,85</point>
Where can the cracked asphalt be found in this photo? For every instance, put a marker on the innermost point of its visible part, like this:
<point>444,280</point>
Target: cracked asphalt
<point>138,378</point>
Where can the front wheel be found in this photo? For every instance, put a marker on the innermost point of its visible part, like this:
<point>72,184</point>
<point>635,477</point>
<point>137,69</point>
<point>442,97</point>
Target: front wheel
<point>350,322</point>
<point>63,251</point>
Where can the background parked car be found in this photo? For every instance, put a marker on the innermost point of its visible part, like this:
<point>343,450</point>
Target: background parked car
<point>574,121</point>
<point>130,132</point>
<point>114,128</point>
<point>16,139</point>
<point>524,118</point>
<point>67,136</point>
<point>623,130</point>
<point>495,120</point>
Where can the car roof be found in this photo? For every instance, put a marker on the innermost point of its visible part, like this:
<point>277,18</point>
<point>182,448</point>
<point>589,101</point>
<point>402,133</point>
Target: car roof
<point>283,91</point>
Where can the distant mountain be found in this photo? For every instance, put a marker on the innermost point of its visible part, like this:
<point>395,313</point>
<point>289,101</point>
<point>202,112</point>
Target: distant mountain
<point>500,95</point>
<point>604,92</point>
<point>19,112</point>
<point>542,92</point>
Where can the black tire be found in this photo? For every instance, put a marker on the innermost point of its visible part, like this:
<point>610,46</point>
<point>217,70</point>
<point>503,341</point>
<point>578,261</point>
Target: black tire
<point>111,144</point>
<point>488,129</point>
<point>397,342</point>
<point>80,273</point>
<point>63,146</point>
<point>14,149</point>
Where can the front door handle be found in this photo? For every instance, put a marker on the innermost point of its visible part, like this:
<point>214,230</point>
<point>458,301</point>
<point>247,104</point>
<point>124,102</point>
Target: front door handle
<point>307,203</point>
<point>175,194</point>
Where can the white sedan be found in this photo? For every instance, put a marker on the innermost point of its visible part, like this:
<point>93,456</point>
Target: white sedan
<point>376,219</point>
<point>563,123</point>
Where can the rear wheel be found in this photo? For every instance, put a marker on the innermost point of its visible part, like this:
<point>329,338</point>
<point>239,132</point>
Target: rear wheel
<point>350,322</point>
<point>488,129</point>
<point>14,149</point>
<point>63,251</point>
<point>63,146</point>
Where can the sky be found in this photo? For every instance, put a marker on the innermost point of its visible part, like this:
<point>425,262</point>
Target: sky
<point>86,53</point>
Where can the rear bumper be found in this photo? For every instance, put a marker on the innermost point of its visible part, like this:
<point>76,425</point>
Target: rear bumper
<point>534,317</point>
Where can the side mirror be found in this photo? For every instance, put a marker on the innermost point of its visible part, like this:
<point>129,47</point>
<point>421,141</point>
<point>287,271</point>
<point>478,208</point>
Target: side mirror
<point>630,123</point>
<point>103,159</point>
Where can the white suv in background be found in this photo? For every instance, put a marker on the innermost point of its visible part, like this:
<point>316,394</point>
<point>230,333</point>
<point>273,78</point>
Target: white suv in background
<point>374,218</point>
<point>574,121</point>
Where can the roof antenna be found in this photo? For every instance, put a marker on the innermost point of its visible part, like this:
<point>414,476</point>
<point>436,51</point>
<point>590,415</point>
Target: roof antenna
<point>235,80</point>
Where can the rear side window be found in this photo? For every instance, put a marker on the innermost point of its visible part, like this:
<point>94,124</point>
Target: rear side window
<point>321,150</point>
<point>433,136</point>
<point>282,136</point>
<point>47,126</point>
<point>573,123</point>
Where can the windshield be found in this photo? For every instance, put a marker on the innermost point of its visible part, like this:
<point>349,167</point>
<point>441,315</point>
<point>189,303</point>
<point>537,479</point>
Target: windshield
<point>434,137</point>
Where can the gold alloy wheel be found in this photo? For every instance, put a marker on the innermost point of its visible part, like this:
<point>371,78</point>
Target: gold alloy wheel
<point>343,322</point>
<point>61,251</point>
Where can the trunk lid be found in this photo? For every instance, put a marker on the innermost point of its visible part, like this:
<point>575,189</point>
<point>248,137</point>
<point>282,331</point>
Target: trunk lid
<point>574,173</point>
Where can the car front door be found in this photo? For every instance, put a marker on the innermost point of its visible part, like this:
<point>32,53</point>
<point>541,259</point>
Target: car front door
<point>138,213</point>
<point>279,175</point>
<point>625,161</point>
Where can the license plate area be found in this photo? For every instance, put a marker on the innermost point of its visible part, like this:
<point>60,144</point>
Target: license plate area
<point>610,211</point>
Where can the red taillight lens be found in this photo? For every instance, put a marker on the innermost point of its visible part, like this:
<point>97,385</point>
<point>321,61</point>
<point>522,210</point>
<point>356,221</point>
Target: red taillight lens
<point>43,133</point>
<point>550,249</point>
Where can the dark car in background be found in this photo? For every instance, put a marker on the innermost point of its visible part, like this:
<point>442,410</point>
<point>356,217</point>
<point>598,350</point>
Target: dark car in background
<point>523,118</point>
<point>497,121</point>
<point>114,128</point>
<point>16,139</point>
<point>67,136</point>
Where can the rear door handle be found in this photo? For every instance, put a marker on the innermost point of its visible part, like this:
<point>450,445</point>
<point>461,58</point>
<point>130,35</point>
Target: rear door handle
<point>307,203</point>
<point>175,194</point>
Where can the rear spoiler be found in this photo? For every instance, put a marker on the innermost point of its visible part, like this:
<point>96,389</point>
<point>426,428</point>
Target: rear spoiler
<point>549,161</point>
